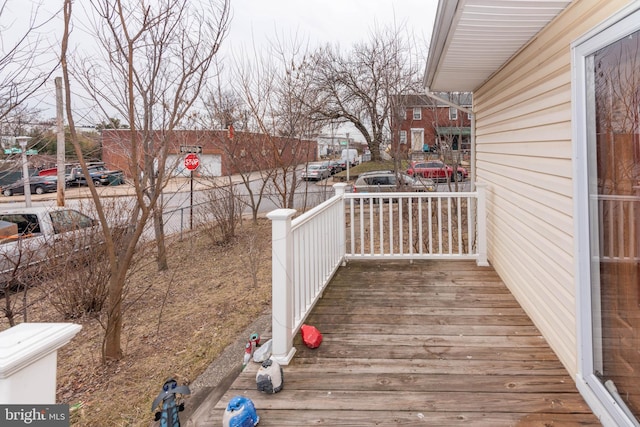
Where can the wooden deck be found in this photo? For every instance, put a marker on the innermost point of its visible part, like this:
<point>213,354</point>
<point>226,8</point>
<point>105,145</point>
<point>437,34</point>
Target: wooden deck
<point>430,343</point>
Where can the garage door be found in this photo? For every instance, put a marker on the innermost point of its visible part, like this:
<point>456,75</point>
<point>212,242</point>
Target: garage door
<point>210,165</point>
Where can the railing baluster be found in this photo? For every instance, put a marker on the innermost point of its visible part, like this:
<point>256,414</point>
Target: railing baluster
<point>449,224</point>
<point>420,229</point>
<point>352,240</point>
<point>362,241</point>
<point>459,213</point>
<point>430,226</point>
<point>632,231</point>
<point>439,226</point>
<point>469,226</point>
<point>621,233</point>
<point>371,228</point>
<point>410,214</point>
<point>390,227</point>
<point>400,225</point>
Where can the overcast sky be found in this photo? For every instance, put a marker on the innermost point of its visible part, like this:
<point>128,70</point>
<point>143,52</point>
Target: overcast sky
<point>255,22</point>
<point>327,21</point>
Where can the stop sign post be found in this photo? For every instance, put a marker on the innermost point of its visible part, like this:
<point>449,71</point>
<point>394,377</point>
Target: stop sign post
<point>191,162</point>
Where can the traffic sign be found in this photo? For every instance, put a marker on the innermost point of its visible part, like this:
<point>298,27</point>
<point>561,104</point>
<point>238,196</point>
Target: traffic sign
<point>191,161</point>
<point>191,149</point>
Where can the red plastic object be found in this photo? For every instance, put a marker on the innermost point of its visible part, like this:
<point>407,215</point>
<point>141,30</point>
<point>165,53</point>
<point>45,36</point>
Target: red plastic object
<point>311,336</point>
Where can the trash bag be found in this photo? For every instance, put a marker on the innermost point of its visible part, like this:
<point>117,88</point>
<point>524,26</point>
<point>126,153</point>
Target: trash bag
<point>311,336</point>
<point>270,377</point>
<point>263,352</point>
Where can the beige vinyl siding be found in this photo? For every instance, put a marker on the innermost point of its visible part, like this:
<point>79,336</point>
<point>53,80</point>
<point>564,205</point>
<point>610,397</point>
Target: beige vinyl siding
<point>524,154</point>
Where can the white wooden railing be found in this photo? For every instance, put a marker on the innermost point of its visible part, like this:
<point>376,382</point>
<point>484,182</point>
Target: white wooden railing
<point>308,250</point>
<point>619,216</point>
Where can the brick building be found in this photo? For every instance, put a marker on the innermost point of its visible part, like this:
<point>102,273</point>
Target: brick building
<point>219,154</point>
<point>421,124</point>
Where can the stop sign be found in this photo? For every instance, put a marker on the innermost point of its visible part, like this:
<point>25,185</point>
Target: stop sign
<point>191,161</point>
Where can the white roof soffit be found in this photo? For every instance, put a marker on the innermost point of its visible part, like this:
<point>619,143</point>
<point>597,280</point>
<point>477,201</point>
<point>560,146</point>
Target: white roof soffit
<point>472,39</point>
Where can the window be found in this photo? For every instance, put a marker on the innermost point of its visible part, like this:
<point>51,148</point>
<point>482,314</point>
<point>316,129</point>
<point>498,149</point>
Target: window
<point>69,220</point>
<point>417,113</point>
<point>453,113</point>
<point>403,137</point>
<point>27,223</point>
<point>606,145</point>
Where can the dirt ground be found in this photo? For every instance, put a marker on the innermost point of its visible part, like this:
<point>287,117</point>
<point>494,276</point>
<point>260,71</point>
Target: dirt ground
<point>178,323</point>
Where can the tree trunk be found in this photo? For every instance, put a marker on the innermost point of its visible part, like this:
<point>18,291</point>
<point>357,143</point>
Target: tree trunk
<point>158,226</point>
<point>374,147</point>
<point>111,348</point>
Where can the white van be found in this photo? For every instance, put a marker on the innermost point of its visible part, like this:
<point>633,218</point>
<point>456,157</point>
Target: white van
<point>350,155</point>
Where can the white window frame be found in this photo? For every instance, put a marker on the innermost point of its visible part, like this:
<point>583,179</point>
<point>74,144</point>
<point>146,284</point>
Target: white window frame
<point>453,113</point>
<point>403,137</point>
<point>625,22</point>
<point>417,113</point>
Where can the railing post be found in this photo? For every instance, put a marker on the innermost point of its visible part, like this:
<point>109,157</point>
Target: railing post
<point>282,285</point>
<point>29,360</point>
<point>341,189</point>
<point>481,189</point>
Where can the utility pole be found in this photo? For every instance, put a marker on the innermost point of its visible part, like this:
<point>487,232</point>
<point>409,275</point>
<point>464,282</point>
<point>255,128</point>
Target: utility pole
<point>60,158</point>
<point>22,140</point>
<point>348,157</point>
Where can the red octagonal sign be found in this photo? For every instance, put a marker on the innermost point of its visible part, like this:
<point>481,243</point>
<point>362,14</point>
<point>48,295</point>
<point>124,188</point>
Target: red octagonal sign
<point>191,161</point>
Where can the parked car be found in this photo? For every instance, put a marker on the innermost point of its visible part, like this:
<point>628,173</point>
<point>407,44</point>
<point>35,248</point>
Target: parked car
<point>35,228</point>
<point>388,181</point>
<point>435,169</point>
<point>38,185</point>
<point>99,174</point>
<point>316,172</point>
<point>334,166</point>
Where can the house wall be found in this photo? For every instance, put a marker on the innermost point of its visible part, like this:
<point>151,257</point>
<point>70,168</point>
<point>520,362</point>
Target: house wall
<point>431,118</point>
<point>524,154</point>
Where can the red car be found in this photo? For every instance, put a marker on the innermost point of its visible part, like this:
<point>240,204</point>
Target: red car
<point>435,170</point>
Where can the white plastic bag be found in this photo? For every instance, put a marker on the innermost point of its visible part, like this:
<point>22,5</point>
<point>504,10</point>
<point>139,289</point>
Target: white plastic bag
<point>263,352</point>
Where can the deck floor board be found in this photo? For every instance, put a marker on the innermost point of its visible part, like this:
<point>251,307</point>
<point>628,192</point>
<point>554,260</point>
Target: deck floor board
<point>439,343</point>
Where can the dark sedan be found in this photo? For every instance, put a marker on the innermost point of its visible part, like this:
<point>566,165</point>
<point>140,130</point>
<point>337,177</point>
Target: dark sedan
<point>38,184</point>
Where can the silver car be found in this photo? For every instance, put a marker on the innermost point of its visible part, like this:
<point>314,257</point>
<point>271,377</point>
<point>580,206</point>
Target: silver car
<point>316,172</point>
<point>388,181</point>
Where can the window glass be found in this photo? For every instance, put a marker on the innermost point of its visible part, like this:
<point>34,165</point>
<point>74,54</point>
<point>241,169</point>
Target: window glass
<point>68,220</point>
<point>615,226</point>
<point>27,223</point>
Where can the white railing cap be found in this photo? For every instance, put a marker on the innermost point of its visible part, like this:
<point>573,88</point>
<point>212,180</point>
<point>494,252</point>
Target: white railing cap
<point>280,214</point>
<point>26,343</point>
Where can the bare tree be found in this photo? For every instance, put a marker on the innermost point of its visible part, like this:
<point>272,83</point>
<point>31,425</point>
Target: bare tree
<point>358,86</point>
<point>275,86</point>
<point>24,63</point>
<point>223,203</point>
<point>156,57</point>
<point>20,266</point>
